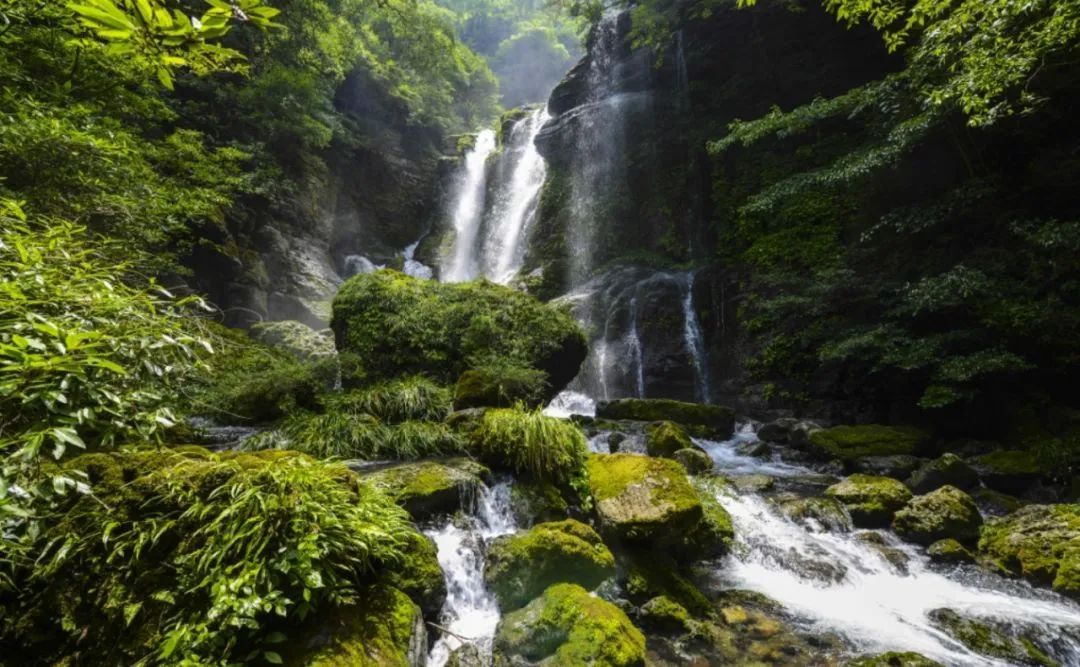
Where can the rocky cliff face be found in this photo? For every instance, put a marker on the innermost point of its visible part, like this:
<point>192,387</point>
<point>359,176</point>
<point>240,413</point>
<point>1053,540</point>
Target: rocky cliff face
<point>630,184</point>
<point>370,198</point>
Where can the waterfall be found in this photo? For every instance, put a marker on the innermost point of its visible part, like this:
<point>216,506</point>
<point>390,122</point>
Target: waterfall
<point>695,340</point>
<point>470,610</point>
<point>462,263</point>
<point>633,343</point>
<point>834,582</point>
<point>515,203</point>
<point>414,268</point>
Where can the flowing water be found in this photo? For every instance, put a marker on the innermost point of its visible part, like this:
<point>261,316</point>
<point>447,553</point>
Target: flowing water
<point>470,612</point>
<point>462,263</point>
<point>864,596</point>
<point>695,340</point>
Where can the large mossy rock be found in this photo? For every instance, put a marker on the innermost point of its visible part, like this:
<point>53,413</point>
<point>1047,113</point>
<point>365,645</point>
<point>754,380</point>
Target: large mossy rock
<point>520,567</point>
<point>568,626</point>
<point>429,488</point>
<point>945,513</point>
<point>419,575</point>
<point>948,469</point>
<point>665,438</point>
<point>1040,543</point>
<point>640,498</point>
<point>499,386</point>
<point>872,501</point>
<point>894,659</point>
<point>850,443</point>
<point>711,420</point>
<point>387,325</point>
<point>384,629</point>
<point>1008,471</point>
<point>985,639</point>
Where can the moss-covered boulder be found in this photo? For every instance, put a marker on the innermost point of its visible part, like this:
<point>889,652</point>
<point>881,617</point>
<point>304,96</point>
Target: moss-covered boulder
<point>1040,543</point>
<point>949,551</point>
<point>1008,471</point>
<point>568,626</point>
<point>639,498</point>
<point>712,420</point>
<point>826,513</point>
<point>429,488</point>
<point>713,535</point>
<point>897,466</point>
<point>948,469</point>
<point>894,659</point>
<point>419,574</point>
<point>499,386</point>
<point>384,629</point>
<point>871,501</point>
<point>944,513</point>
<point>387,324</point>
<point>665,438</point>
<point>985,639</point>
<point>537,502</point>
<point>850,443</point>
<point>296,338</point>
<point>694,460</point>
<point>520,567</point>
<point>663,614</point>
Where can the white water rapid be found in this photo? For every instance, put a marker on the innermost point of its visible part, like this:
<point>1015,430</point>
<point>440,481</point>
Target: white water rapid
<point>834,582</point>
<point>468,211</point>
<point>470,611</point>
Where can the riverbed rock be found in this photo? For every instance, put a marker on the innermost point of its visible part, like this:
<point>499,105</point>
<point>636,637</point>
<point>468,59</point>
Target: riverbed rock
<point>754,483</point>
<point>944,513</point>
<point>985,639</point>
<point>827,513</point>
<point>1040,543</point>
<point>537,502</point>
<point>894,659</point>
<point>694,460</point>
<point>897,466</point>
<point>896,558</point>
<point>429,488</point>
<point>872,501</point>
<point>1008,471</point>
<point>384,629</point>
<point>665,438</point>
<point>711,420</point>
<point>639,498</point>
<point>949,551</point>
<point>948,469</point>
<point>850,443</point>
<point>419,574</point>
<point>520,567</point>
<point>713,535</point>
<point>387,325</point>
<point>568,626</point>
<point>663,614</point>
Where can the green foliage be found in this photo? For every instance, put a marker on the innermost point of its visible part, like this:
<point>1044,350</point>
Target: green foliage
<point>91,355</point>
<point>532,444</point>
<point>396,401</point>
<point>196,558</point>
<point>358,436</point>
<point>500,385</point>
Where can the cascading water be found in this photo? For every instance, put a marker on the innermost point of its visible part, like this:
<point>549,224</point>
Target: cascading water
<point>516,196</point>
<point>695,340</point>
<point>462,262</point>
<point>470,612</point>
<point>833,582</point>
<point>633,343</point>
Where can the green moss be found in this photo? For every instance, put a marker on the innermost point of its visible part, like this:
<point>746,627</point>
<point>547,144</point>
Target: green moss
<point>295,338</point>
<point>894,659</point>
<point>1011,461</point>
<point>665,438</point>
<point>499,386</point>
<point>642,498</point>
<point>391,325</point>
<point>520,567</point>
<point>532,444</point>
<point>717,420</point>
<point>537,502</point>
<point>827,512</point>
<point>665,614</point>
<point>944,513</point>
<point>949,550</point>
<point>384,630</point>
<point>418,574</point>
<point>568,626</point>
<point>648,574</point>
<point>1039,542</point>
<point>849,443</point>
<point>984,639</point>
<point>715,532</point>
<point>429,487</point>
<point>870,500</point>
<point>695,461</point>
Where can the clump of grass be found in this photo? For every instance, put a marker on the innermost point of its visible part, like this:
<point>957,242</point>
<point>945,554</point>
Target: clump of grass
<point>406,399</point>
<point>200,558</point>
<point>343,435</point>
<point>533,444</point>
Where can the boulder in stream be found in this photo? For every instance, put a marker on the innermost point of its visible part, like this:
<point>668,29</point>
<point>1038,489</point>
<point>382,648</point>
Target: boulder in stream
<point>520,567</point>
<point>665,438</point>
<point>568,626</point>
<point>428,488</point>
<point>897,466</point>
<point>1040,543</point>
<point>640,498</point>
<point>850,443</point>
<point>1008,471</point>
<point>894,659</point>
<point>947,512</point>
<point>872,501</point>
<point>949,551</point>
<point>990,641</point>
<point>712,421</point>
<point>948,469</point>
<point>694,460</point>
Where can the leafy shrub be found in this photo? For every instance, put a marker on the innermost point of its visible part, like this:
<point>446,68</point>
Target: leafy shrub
<point>396,401</point>
<point>533,444</point>
<point>199,558</point>
<point>351,436</point>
